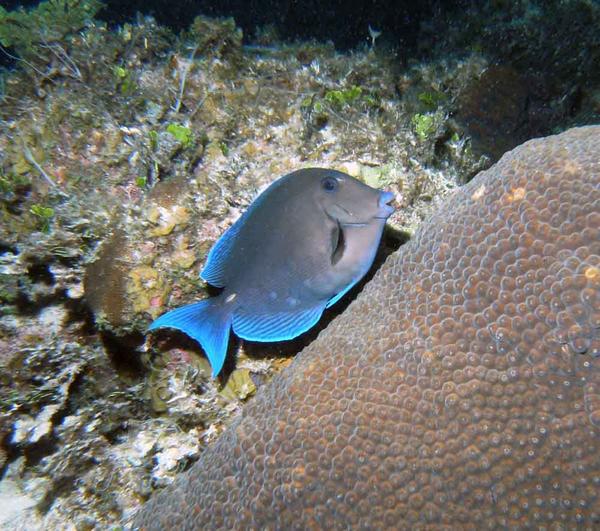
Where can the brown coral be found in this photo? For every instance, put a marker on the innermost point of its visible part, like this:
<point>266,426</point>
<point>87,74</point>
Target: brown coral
<point>461,387</point>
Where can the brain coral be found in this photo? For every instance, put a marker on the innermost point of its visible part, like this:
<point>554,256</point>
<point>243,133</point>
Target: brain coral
<point>462,387</point>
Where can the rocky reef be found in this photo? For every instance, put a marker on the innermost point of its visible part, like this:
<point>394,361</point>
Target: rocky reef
<point>124,154</point>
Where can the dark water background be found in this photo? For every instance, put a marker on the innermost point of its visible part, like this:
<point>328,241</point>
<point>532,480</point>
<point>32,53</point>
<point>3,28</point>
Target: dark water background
<point>345,23</point>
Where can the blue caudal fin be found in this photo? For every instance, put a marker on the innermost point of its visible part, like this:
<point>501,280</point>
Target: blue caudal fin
<point>208,322</point>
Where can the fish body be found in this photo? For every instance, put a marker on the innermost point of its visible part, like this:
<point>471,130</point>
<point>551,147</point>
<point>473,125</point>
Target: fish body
<point>300,246</point>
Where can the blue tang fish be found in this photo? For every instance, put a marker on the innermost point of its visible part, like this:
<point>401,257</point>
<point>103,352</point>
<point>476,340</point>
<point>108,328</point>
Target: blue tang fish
<point>300,246</point>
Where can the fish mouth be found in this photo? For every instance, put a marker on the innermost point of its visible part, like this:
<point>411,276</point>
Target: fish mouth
<point>342,215</point>
<point>386,205</point>
<point>355,224</point>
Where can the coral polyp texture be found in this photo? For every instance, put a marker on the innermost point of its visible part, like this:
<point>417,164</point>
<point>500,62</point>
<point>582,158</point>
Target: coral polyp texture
<point>462,387</point>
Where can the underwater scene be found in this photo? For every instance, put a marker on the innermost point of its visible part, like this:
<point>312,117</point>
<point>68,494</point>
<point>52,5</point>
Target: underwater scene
<point>282,264</point>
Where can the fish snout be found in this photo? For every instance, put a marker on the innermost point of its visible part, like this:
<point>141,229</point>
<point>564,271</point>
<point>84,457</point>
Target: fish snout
<point>386,204</point>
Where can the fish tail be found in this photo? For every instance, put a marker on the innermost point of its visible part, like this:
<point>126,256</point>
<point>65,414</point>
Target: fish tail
<point>208,322</point>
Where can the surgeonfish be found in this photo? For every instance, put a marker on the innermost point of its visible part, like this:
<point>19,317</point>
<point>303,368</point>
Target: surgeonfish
<point>299,247</point>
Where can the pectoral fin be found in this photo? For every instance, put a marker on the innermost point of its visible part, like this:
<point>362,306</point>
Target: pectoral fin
<point>338,243</point>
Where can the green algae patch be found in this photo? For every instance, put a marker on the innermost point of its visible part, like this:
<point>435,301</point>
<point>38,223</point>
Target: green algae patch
<point>343,97</point>
<point>182,134</point>
<point>43,215</point>
<point>239,386</point>
<point>35,34</point>
<point>126,84</point>
<point>423,125</point>
<point>431,99</point>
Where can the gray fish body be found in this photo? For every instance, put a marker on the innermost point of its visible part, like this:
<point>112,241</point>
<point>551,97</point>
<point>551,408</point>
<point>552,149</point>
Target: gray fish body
<point>303,243</point>
<point>285,245</point>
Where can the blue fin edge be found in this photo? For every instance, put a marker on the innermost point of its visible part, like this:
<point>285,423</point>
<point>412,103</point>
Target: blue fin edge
<point>207,323</point>
<point>277,327</point>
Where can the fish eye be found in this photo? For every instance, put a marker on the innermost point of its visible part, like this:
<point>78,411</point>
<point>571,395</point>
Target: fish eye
<point>329,184</point>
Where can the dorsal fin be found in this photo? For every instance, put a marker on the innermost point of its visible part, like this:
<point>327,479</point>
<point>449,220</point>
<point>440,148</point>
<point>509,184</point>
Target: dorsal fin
<point>214,270</point>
